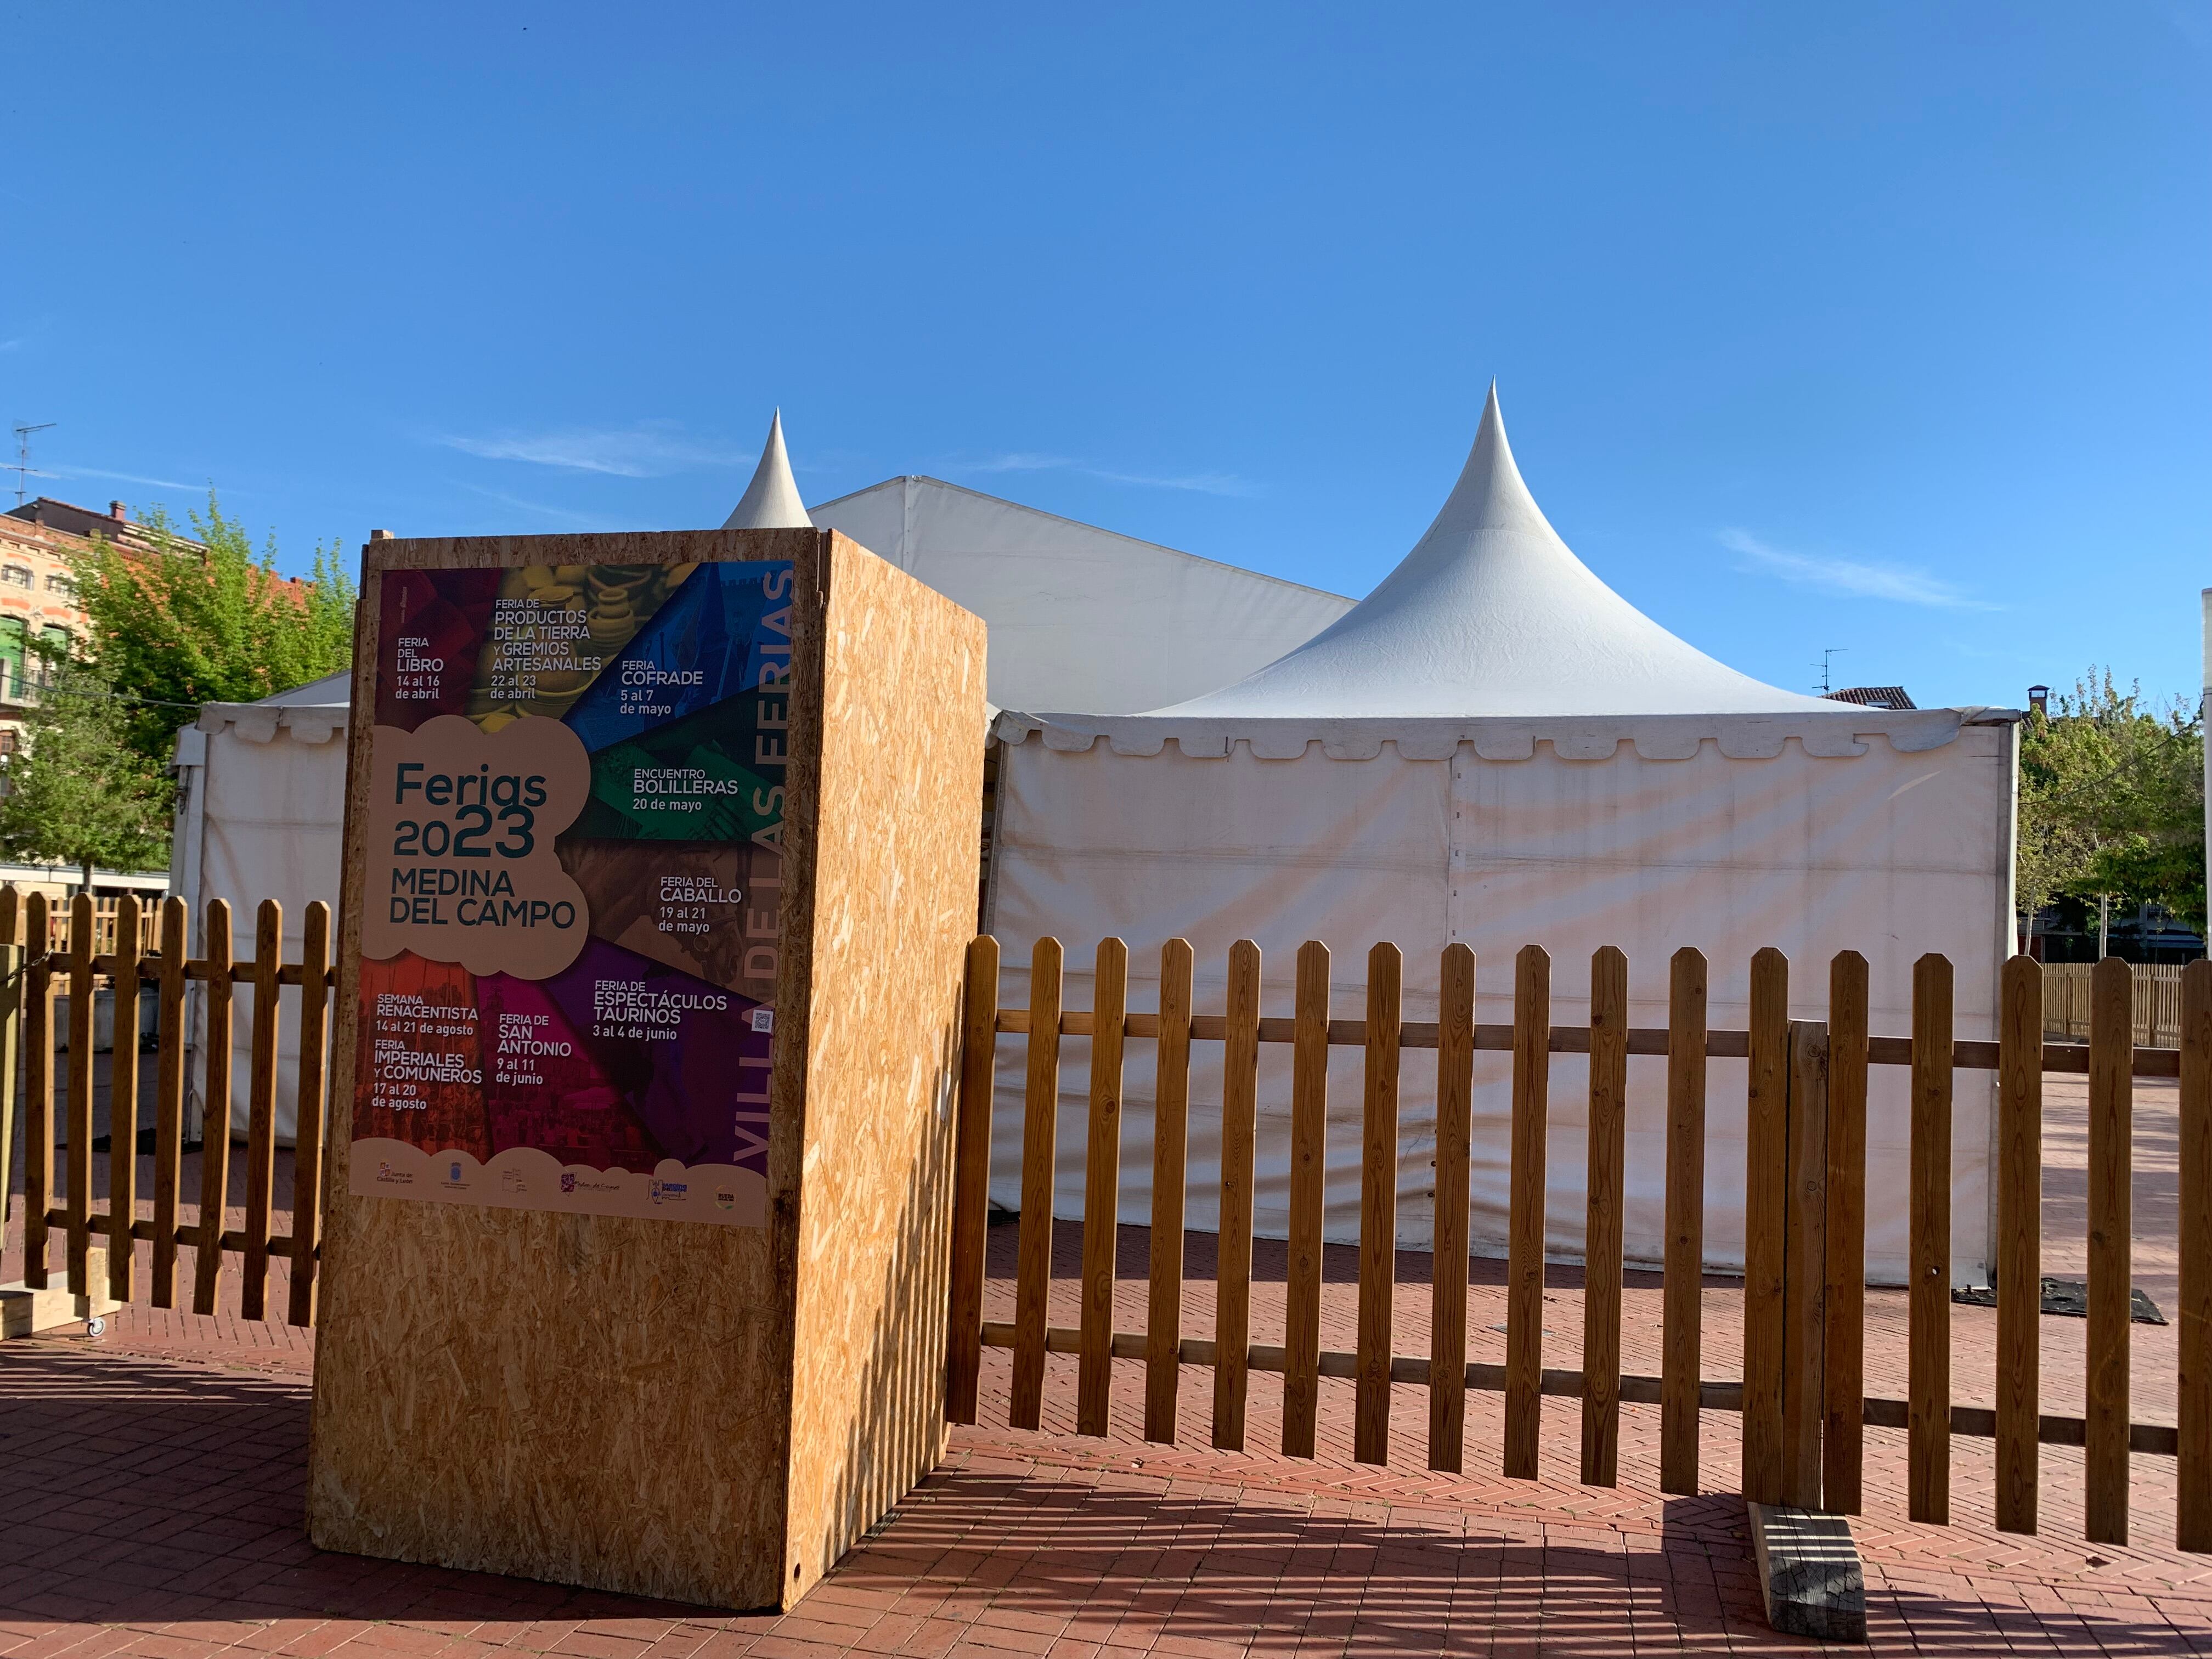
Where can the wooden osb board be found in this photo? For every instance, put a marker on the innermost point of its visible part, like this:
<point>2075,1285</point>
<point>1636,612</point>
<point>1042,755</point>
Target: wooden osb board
<point>894,892</point>
<point>596,1400</point>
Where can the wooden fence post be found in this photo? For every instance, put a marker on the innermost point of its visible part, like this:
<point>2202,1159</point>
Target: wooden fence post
<point>1602,1218</point>
<point>1170,1172</point>
<point>1805,1267</point>
<point>2019,1241</point>
<point>82,1028</point>
<point>38,1089</point>
<point>215,1115</point>
<point>1842,1436</point>
<point>1378,1208</point>
<point>1101,1188</point>
<point>261,1121</point>
<point>1232,1273</point>
<point>307,1155</point>
<point>169,1100</point>
<point>1447,1300</point>
<point>11,1017</point>
<point>1040,1147</point>
<point>1927,1312</point>
<point>123,1102</point>
<point>1524,1265</point>
<point>2105,1434</point>
<point>1765,1210</point>
<point>971,1180</point>
<point>2193,1393</point>
<point>1309,1173</point>
<point>1682,1291</point>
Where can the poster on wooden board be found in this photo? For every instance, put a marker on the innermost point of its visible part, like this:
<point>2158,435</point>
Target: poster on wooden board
<point>660,868</point>
<point>574,865</point>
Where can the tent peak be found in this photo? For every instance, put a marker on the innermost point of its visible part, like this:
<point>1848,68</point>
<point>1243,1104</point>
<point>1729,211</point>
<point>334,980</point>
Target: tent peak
<point>771,500</point>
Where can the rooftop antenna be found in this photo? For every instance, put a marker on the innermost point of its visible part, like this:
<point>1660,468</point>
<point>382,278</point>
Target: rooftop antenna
<point>1827,657</point>
<point>23,468</point>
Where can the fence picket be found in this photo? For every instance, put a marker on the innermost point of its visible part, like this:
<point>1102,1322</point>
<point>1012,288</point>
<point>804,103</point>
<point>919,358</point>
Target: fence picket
<point>122,1104</point>
<point>307,1144</point>
<point>1601,1232</point>
<point>1102,1186</point>
<point>37,1092</point>
<point>1378,1207</point>
<point>1233,1277</point>
<point>215,1112</point>
<point>971,1180</point>
<point>1170,1151</point>
<point>1309,1173</point>
<point>168,1101</point>
<point>1524,1268</point>
<point>1767,1147</point>
<point>1448,1268</point>
<point>2193,1393</point>
<point>1843,1435</point>
<point>2019,1241</point>
<point>82,944</point>
<point>2104,1447</point>
<point>1033,1271</point>
<point>1928,1387</point>
<point>11,1025</point>
<point>261,1121</point>
<point>1682,1313</point>
<point>1805,1267</point>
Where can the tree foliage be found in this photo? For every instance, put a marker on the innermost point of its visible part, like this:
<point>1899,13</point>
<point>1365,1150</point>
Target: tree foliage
<point>2112,801</point>
<point>175,630</point>
<point>80,791</point>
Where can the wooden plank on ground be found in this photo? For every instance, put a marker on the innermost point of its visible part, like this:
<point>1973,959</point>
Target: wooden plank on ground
<point>1524,1268</point>
<point>1682,1313</point>
<point>1602,1233</point>
<point>2193,1395</point>
<point>38,1089</point>
<point>82,947</point>
<point>2019,1241</point>
<point>1447,1271</point>
<point>1040,1129</point>
<point>1233,1276</point>
<point>307,1157</point>
<point>1101,1188</point>
<point>1171,1156</point>
<point>1928,1360</point>
<point>261,1118</point>
<point>1767,1151</point>
<point>971,1180</point>
<point>1378,1207</point>
<point>2105,1451</point>
<point>1308,1174</point>
<point>169,1098</point>
<point>122,1104</point>
<point>1805,1267</point>
<point>1842,1436</point>
<point>215,1126</point>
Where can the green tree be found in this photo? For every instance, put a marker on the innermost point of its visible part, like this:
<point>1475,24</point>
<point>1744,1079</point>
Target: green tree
<point>175,629</point>
<point>79,791</point>
<point>2112,801</point>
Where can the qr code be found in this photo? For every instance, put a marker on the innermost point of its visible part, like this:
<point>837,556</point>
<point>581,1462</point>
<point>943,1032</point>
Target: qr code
<point>764,1019</point>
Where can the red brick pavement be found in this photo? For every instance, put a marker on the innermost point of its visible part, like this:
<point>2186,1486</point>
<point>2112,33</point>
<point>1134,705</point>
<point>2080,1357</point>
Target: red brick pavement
<point>154,1483</point>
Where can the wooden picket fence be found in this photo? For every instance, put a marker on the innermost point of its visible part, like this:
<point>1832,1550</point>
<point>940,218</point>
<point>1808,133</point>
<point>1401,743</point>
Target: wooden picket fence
<point>2067,998</point>
<point>43,955</point>
<point>1801,1397</point>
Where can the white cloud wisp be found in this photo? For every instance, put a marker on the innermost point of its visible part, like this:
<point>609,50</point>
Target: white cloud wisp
<point>1850,577</point>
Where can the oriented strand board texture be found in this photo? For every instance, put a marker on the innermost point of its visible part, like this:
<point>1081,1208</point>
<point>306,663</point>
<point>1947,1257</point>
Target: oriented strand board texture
<point>594,1400</point>
<point>894,886</point>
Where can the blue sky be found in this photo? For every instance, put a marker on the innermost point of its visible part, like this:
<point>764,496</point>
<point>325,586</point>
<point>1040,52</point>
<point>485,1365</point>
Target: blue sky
<point>1880,327</point>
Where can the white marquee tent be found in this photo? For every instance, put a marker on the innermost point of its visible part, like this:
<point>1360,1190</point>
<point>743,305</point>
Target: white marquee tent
<point>1495,748</point>
<point>1079,617</point>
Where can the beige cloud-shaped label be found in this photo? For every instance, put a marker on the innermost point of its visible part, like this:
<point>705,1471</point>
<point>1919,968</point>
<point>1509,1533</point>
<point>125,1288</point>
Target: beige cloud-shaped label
<point>461,866</point>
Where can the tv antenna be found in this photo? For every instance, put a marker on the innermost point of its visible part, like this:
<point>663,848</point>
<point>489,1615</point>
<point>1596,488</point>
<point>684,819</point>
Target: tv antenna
<point>1827,660</point>
<point>23,468</point>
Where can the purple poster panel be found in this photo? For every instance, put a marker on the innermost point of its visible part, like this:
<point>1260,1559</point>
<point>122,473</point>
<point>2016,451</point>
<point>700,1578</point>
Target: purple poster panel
<point>571,931</point>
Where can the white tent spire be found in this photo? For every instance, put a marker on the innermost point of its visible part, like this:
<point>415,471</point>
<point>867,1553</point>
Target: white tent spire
<point>1492,614</point>
<point>772,500</point>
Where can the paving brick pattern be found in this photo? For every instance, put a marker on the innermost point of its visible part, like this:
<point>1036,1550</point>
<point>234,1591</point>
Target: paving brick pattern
<point>153,1483</point>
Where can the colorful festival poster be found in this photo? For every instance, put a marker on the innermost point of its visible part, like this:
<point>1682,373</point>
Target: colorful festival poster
<point>570,930</point>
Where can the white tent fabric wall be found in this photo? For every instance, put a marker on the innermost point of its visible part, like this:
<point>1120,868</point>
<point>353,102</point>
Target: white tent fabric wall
<point>262,816</point>
<point>1764,831</point>
<point>1081,617</point>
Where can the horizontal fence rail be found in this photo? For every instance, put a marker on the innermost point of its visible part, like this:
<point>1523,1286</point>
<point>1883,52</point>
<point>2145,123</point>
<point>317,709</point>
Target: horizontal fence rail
<point>1801,1401</point>
<point>50,950</point>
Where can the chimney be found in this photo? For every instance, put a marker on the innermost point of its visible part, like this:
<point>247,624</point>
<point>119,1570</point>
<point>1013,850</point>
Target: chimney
<point>120,514</point>
<point>2038,699</point>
